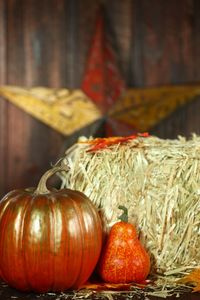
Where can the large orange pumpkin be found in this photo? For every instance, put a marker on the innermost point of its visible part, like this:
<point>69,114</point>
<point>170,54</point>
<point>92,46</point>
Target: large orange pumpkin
<point>49,240</point>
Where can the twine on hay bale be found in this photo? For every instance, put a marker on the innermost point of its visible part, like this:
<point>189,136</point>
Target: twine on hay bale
<point>158,181</point>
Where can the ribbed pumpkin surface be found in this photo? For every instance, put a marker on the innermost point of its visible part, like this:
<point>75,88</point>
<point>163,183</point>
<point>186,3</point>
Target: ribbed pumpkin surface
<point>48,242</point>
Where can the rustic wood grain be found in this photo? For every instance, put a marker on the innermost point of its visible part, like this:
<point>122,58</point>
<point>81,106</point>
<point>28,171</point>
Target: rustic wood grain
<point>37,53</point>
<point>119,20</point>
<point>87,13</point>
<point>170,42</point>
<point>19,124</point>
<point>184,121</point>
<point>3,104</point>
<point>195,21</point>
<point>46,43</point>
<point>168,36</point>
<point>51,64</point>
<point>135,69</point>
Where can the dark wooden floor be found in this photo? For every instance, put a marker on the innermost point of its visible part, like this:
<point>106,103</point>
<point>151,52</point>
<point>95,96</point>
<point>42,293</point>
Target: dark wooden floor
<point>7,293</point>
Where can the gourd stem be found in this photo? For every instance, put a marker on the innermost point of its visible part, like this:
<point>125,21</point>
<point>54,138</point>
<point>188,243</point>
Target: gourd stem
<point>124,216</point>
<point>42,185</point>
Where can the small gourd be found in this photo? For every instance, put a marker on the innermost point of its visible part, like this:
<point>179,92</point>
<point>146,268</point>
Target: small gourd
<point>123,259</point>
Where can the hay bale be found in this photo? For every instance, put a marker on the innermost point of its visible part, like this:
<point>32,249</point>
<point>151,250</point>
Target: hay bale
<point>158,181</point>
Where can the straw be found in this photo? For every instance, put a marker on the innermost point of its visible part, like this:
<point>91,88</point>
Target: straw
<point>158,181</point>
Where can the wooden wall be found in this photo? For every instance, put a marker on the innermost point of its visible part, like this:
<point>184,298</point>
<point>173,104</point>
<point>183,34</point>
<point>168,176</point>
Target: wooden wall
<point>46,42</point>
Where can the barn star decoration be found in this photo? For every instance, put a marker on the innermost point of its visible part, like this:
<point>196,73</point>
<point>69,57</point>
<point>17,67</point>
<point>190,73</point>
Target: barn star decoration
<point>103,95</point>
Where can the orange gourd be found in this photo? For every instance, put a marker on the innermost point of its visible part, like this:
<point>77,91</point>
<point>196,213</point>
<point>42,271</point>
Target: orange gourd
<point>123,259</point>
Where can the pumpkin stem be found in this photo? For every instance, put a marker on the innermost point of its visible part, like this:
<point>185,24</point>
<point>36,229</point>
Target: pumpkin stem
<point>42,185</point>
<point>124,216</point>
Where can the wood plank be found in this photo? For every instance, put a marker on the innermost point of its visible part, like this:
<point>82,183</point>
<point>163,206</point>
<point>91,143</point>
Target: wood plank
<point>45,38</point>
<point>195,60</point>
<point>48,64</point>
<point>87,12</point>
<point>3,103</point>
<point>167,39</point>
<point>48,41</point>
<point>18,131</point>
<point>73,45</point>
<point>119,27</point>
<point>136,62</point>
<point>36,56</point>
<point>184,121</point>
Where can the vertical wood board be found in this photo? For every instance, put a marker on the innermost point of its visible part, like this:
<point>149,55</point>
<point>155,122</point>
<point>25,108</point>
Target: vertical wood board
<point>3,103</point>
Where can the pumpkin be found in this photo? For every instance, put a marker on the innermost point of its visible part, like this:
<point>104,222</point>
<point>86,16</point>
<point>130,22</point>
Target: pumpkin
<point>50,240</point>
<point>124,258</point>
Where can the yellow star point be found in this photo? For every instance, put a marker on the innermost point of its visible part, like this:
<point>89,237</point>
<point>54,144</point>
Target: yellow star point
<point>64,110</point>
